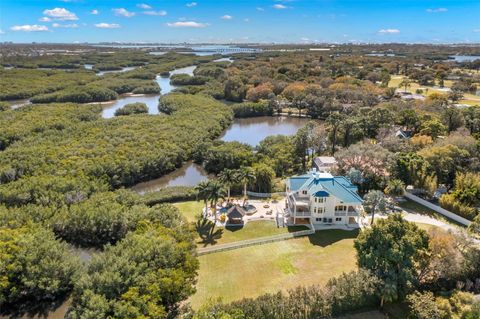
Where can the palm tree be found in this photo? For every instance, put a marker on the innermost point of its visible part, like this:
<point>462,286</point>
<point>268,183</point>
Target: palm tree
<point>395,187</point>
<point>203,190</point>
<point>216,192</point>
<point>246,175</point>
<point>406,83</point>
<point>388,292</point>
<point>228,177</point>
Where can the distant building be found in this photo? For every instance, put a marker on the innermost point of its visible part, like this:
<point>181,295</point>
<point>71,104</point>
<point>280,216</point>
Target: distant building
<point>403,133</point>
<point>324,163</point>
<point>318,198</point>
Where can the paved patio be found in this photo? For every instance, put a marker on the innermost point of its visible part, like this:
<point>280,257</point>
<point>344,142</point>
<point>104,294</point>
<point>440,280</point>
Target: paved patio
<point>264,210</point>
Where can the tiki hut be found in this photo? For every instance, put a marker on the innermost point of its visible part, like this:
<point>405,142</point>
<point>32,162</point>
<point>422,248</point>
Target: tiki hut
<point>235,214</point>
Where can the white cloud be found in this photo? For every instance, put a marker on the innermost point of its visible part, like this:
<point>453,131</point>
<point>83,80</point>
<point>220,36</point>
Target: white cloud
<point>104,25</point>
<point>29,28</point>
<point>226,17</point>
<point>187,24</point>
<point>389,31</point>
<point>155,13</point>
<point>61,14</point>
<point>191,4</point>
<point>144,6</point>
<point>94,12</point>
<point>44,19</point>
<point>260,9</point>
<point>436,10</point>
<point>2,32</point>
<point>58,25</point>
<point>279,6</point>
<point>246,20</point>
<point>122,12</point>
<point>476,30</point>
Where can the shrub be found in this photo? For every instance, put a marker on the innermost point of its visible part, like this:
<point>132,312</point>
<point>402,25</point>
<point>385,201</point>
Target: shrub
<point>146,275</point>
<point>185,79</point>
<point>4,106</point>
<point>34,267</point>
<point>250,109</point>
<point>170,194</point>
<point>349,292</point>
<point>449,202</point>
<point>132,108</point>
<point>81,94</point>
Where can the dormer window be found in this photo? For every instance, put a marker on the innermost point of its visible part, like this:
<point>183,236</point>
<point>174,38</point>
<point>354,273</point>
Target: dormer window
<point>304,192</point>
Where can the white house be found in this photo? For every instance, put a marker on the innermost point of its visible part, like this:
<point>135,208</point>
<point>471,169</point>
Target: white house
<point>318,198</point>
<point>324,163</point>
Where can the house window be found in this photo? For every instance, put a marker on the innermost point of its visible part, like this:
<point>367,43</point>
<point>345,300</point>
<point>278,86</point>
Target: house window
<point>318,219</point>
<point>321,210</point>
<point>325,220</point>
<point>340,208</point>
<point>329,220</point>
<point>321,200</point>
<point>338,219</point>
<point>304,192</point>
<point>315,210</point>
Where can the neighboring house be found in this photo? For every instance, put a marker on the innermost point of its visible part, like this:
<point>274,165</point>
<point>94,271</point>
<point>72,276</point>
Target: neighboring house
<point>403,133</point>
<point>324,163</point>
<point>318,198</point>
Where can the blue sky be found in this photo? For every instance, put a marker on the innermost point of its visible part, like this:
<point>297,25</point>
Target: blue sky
<point>287,21</point>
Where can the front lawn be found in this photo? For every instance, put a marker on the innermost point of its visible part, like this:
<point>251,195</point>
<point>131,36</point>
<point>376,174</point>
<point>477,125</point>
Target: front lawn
<point>251,271</point>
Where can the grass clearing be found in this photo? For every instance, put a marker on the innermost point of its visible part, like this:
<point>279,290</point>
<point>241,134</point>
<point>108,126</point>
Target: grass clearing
<point>190,209</point>
<point>469,99</point>
<point>255,270</point>
<point>219,235</point>
<point>253,229</point>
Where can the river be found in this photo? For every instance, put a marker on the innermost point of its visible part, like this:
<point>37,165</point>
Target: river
<point>151,100</point>
<point>465,58</point>
<point>189,174</point>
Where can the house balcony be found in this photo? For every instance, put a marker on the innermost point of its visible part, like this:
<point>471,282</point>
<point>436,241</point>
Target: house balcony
<point>343,213</point>
<point>303,214</point>
<point>350,212</point>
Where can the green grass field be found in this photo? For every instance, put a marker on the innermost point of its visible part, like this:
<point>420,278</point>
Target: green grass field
<point>468,98</point>
<point>191,209</point>
<point>207,237</point>
<point>251,271</point>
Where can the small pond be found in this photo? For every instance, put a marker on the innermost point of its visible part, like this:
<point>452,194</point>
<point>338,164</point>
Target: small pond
<point>252,130</point>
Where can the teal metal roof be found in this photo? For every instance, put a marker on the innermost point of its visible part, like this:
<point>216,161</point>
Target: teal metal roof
<point>338,186</point>
<point>296,182</point>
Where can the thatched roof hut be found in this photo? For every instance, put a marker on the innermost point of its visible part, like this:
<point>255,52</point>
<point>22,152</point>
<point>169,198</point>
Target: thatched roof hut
<point>235,214</point>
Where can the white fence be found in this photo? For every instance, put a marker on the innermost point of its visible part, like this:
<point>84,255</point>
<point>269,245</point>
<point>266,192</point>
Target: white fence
<point>265,195</point>
<point>253,242</point>
<point>438,209</point>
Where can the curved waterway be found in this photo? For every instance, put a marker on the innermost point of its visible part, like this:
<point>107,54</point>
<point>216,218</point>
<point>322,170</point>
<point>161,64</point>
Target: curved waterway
<point>151,100</point>
<point>189,174</point>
